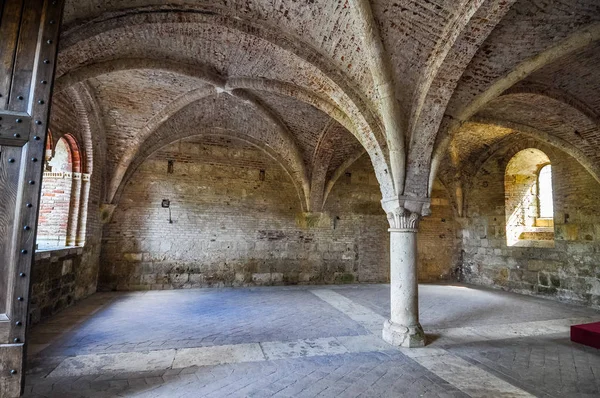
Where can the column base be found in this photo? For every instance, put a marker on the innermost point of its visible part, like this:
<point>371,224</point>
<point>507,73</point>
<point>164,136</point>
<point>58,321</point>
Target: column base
<point>403,336</point>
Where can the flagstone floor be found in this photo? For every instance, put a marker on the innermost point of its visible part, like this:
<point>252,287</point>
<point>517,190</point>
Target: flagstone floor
<point>310,341</point>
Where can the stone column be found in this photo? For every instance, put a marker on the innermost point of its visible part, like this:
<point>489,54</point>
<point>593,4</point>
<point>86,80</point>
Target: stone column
<point>75,203</point>
<point>403,328</point>
<point>83,209</point>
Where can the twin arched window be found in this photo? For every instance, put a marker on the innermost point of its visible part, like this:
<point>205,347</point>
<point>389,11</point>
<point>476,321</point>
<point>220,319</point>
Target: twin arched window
<point>529,199</point>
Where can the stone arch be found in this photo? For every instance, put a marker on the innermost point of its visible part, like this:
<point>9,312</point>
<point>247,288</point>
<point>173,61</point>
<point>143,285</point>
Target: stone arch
<point>338,173</point>
<point>592,167</point>
<point>348,96</point>
<point>149,150</point>
<point>271,130</point>
<point>89,71</point>
<point>215,16</point>
<point>224,113</point>
<point>555,94</point>
<point>585,153</point>
<point>239,87</point>
<point>520,180</point>
<point>464,39</point>
<point>555,114</point>
<point>321,158</point>
<point>368,132</point>
<point>453,121</point>
<point>570,45</point>
<point>524,223</point>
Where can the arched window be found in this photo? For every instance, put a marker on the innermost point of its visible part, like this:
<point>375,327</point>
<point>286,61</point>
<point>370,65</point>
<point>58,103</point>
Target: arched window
<point>61,192</point>
<point>529,202</point>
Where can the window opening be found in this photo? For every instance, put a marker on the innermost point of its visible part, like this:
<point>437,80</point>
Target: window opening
<point>529,200</point>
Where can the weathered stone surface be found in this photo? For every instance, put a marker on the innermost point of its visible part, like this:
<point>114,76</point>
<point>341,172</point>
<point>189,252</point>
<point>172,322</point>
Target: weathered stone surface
<point>565,271</point>
<point>437,94</point>
<point>219,237</point>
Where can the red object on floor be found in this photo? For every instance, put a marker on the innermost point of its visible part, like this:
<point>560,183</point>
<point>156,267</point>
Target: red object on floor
<point>588,334</point>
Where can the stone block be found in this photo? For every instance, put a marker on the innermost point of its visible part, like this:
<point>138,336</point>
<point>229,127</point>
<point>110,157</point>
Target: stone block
<point>567,232</point>
<point>263,278</point>
<point>544,265</point>
<point>196,278</point>
<point>67,266</point>
<point>149,279</point>
<point>530,277</point>
<point>304,277</point>
<point>179,278</point>
<point>133,257</point>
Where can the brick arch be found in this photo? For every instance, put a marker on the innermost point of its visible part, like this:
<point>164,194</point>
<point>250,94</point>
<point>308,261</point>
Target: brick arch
<point>62,202</point>
<point>265,128</point>
<point>461,110</point>
<point>301,50</point>
<point>552,118</point>
<point>76,155</point>
<point>334,87</point>
<point>240,87</point>
<point>527,87</point>
<point>149,150</point>
<point>57,196</point>
<point>581,148</point>
<point>50,144</point>
<point>472,27</point>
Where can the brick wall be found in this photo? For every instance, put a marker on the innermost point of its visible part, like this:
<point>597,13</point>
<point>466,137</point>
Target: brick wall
<point>568,271</point>
<point>232,228</point>
<point>54,209</point>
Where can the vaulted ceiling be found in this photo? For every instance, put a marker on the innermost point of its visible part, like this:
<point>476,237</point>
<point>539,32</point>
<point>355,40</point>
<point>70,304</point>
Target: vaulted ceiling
<point>317,83</point>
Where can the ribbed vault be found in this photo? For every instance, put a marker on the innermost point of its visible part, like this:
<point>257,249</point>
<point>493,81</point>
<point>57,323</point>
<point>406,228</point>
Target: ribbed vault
<point>405,81</point>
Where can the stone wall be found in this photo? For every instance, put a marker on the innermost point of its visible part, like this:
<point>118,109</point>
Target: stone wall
<point>568,271</point>
<point>233,225</point>
<point>438,242</point>
<point>60,278</point>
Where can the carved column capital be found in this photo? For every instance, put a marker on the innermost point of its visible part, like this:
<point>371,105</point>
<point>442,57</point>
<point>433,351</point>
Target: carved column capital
<point>404,212</point>
<point>402,220</point>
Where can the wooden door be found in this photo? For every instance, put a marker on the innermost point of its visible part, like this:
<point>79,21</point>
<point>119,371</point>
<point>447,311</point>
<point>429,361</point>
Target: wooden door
<point>28,46</point>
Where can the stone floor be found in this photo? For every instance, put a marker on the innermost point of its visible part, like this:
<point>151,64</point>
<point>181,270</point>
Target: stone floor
<point>310,341</point>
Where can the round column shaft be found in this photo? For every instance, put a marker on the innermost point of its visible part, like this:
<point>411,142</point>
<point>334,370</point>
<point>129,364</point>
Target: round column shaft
<point>403,328</point>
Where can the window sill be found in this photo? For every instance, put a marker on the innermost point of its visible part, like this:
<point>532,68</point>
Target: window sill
<point>533,243</point>
<point>544,222</point>
<point>538,229</point>
<point>41,254</point>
